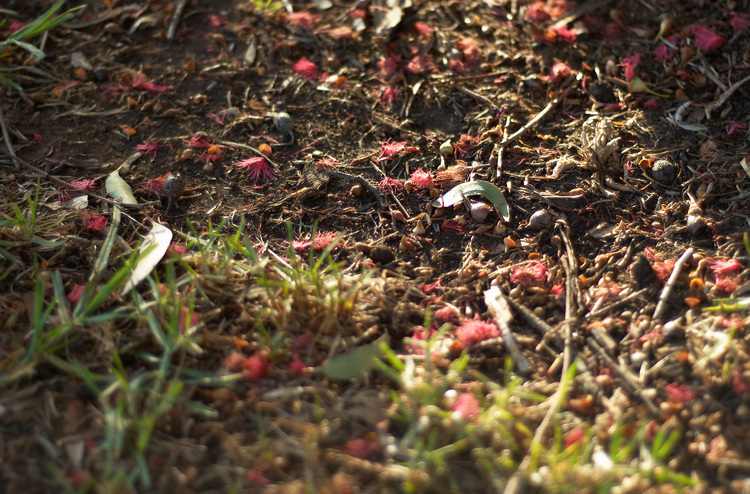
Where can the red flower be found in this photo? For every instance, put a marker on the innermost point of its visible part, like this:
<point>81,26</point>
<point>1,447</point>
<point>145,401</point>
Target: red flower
<point>738,21</point>
<point>452,226</point>
<point>391,185</point>
<point>707,40</point>
<point>94,222</point>
<point>301,19</point>
<point>390,65</point>
<point>446,314</point>
<point>257,168</point>
<point>629,64</point>
<point>533,273</point>
<point>140,81</point>
<point>322,240</point>
<point>82,185</point>
<point>178,249</point>
<point>155,186</point>
<point>740,386</point>
<point>199,141</point>
<point>149,146</point>
<point>475,330</point>
<point>680,392</point>
<point>650,104</point>
<point>389,95</point>
<point>537,12</point>
<point>389,150</point>
<point>662,53</point>
<point>297,366</point>
<point>559,72</point>
<point>74,295</point>
<point>423,29</point>
<point>725,266</point>
<point>464,145</point>
<point>419,65</point>
<point>306,69</point>
<point>421,180</point>
<point>466,406</point>
<point>255,367</point>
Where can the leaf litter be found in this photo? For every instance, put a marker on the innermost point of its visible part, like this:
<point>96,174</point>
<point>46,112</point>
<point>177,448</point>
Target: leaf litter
<point>589,332</point>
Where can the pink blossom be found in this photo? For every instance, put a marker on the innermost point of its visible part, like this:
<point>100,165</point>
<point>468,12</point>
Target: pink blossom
<point>466,406</point>
<point>726,283</point>
<point>629,64</point>
<point>140,81</point>
<point>390,65</point>
<point>94,222</point>
<point>421,180</point>
<point>234,362</point>
<point>662,53</point>
<point>419,65</point>
<point>452,226</point>
<point>255,367</point>
<point>739,385</point>
<point>155,186</point>
<point>724,266</point>
<point>533,273</point>
<point>148,146</point>
<point>256,475</point>
<point>177,249</point>
<point>75,293</point>
<point>566,34</point>
<point>559,72</point>
<point>297,366</point>
<point>216,21</point>
<point>301,19</point>
<point>475,330</point>
<point>446,314</point>
<point>257,167</point>
<point>322,240</point>
<point>391,185</point>
<point>186,315</point>
<point>651,104</point>
<point>738,21</point>
<point>306,69</point>
<point>735,127</point>
<point>428,288</point>
<point>389,95</point>
<point>82,185</point>
<point>389,150</point>
<point>680,392</point>
<point>465,144</point>
<point>199,141</point>
<point>470,49</point>
<point>707,40</point>
<point>537,12</point>
<point>423,29</point>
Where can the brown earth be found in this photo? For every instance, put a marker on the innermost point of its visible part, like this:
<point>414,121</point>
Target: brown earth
<point>619,181</point>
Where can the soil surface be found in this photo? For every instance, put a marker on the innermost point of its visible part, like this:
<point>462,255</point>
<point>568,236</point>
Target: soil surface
<point>616,131</point>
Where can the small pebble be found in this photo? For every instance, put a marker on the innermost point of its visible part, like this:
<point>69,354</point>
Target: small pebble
<point>664,172</point>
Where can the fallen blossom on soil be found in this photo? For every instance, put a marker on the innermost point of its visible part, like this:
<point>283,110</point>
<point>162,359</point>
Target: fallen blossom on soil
<point>140,81</point>
<point>559,72</point>
<point>466,406</point>
<point>680,392</point>
<point>256,475</point>
<point>300,19</point>
<point>390,65</point>
<point>464,144</point>
<point>74,295</point>
<point>199,141</point>
<point>257,167</point>
<point>474,331</point>
<point>322,240</point>
<point>533,273</point>
<point>662,53</point>
<point>650,104</point>
<point>738,21</point>
<point>391,185</point>
<point>629,64</point>
<point>389,95</point>
<point>297,366</point>
<point>155,186</point>
<point>736,127</point>
<point>471,52</point>
<point>452,226</point>
<point>149,146</point>
<point>564,33</point>
<point>94,222</point>
<point>423,29</point>
<point>389,150</point>
<point>428,288</point>
<point>707,40</point>
<point>421,180</point>
<point>419,65</point>
<point>724,266</point>
<point>83,184</point>
<point>255,367</point>
<point>740,386</point>
<point>306,69</point>
<point>187,319</point>
<point>446,314</point>
<point>177,249</point>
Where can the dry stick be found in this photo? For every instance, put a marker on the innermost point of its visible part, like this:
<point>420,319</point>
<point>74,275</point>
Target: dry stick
<point>498,306</point>
<point>6,136</point>
<point>176,16</point>
<point>669,287</point>
<point>477,96</point>
<point>515,483</point>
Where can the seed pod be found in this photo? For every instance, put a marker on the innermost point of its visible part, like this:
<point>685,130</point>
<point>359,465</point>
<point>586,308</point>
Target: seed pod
<point>446,148</point>
<point>540,220</point>
<point>419,228</point>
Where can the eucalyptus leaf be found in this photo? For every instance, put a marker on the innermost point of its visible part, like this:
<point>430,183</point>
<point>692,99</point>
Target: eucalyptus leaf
<point>118,188</point>
<point>355,363</point>
<point>478,187</point>
<point>152,249</point>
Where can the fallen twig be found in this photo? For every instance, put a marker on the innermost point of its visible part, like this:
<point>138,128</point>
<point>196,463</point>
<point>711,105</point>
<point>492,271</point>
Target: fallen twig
<point>498,306</point>
<point>661,306</point>
<point>8,143</point>
<point>179,7</point>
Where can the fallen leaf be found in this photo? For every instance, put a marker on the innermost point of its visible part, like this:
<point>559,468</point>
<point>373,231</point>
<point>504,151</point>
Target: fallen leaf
<point>118,188</point>
<point>478,187</point>
<point>152,249</point>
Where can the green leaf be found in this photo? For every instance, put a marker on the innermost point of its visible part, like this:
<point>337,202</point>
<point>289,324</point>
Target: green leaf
<point>355,363</point>
<point>476,188</point>
<point>36,52</point>
<point>118,188</point>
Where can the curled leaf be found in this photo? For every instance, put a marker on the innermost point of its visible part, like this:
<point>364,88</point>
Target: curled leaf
<point>152,249</point>
<point>118,188</point>
<point>478,187</point>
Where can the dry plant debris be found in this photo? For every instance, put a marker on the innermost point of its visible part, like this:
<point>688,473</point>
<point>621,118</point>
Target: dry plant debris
<point>572,315</point>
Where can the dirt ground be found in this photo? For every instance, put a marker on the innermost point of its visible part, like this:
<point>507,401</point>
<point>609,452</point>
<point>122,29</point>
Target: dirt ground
<point>617,132</point>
